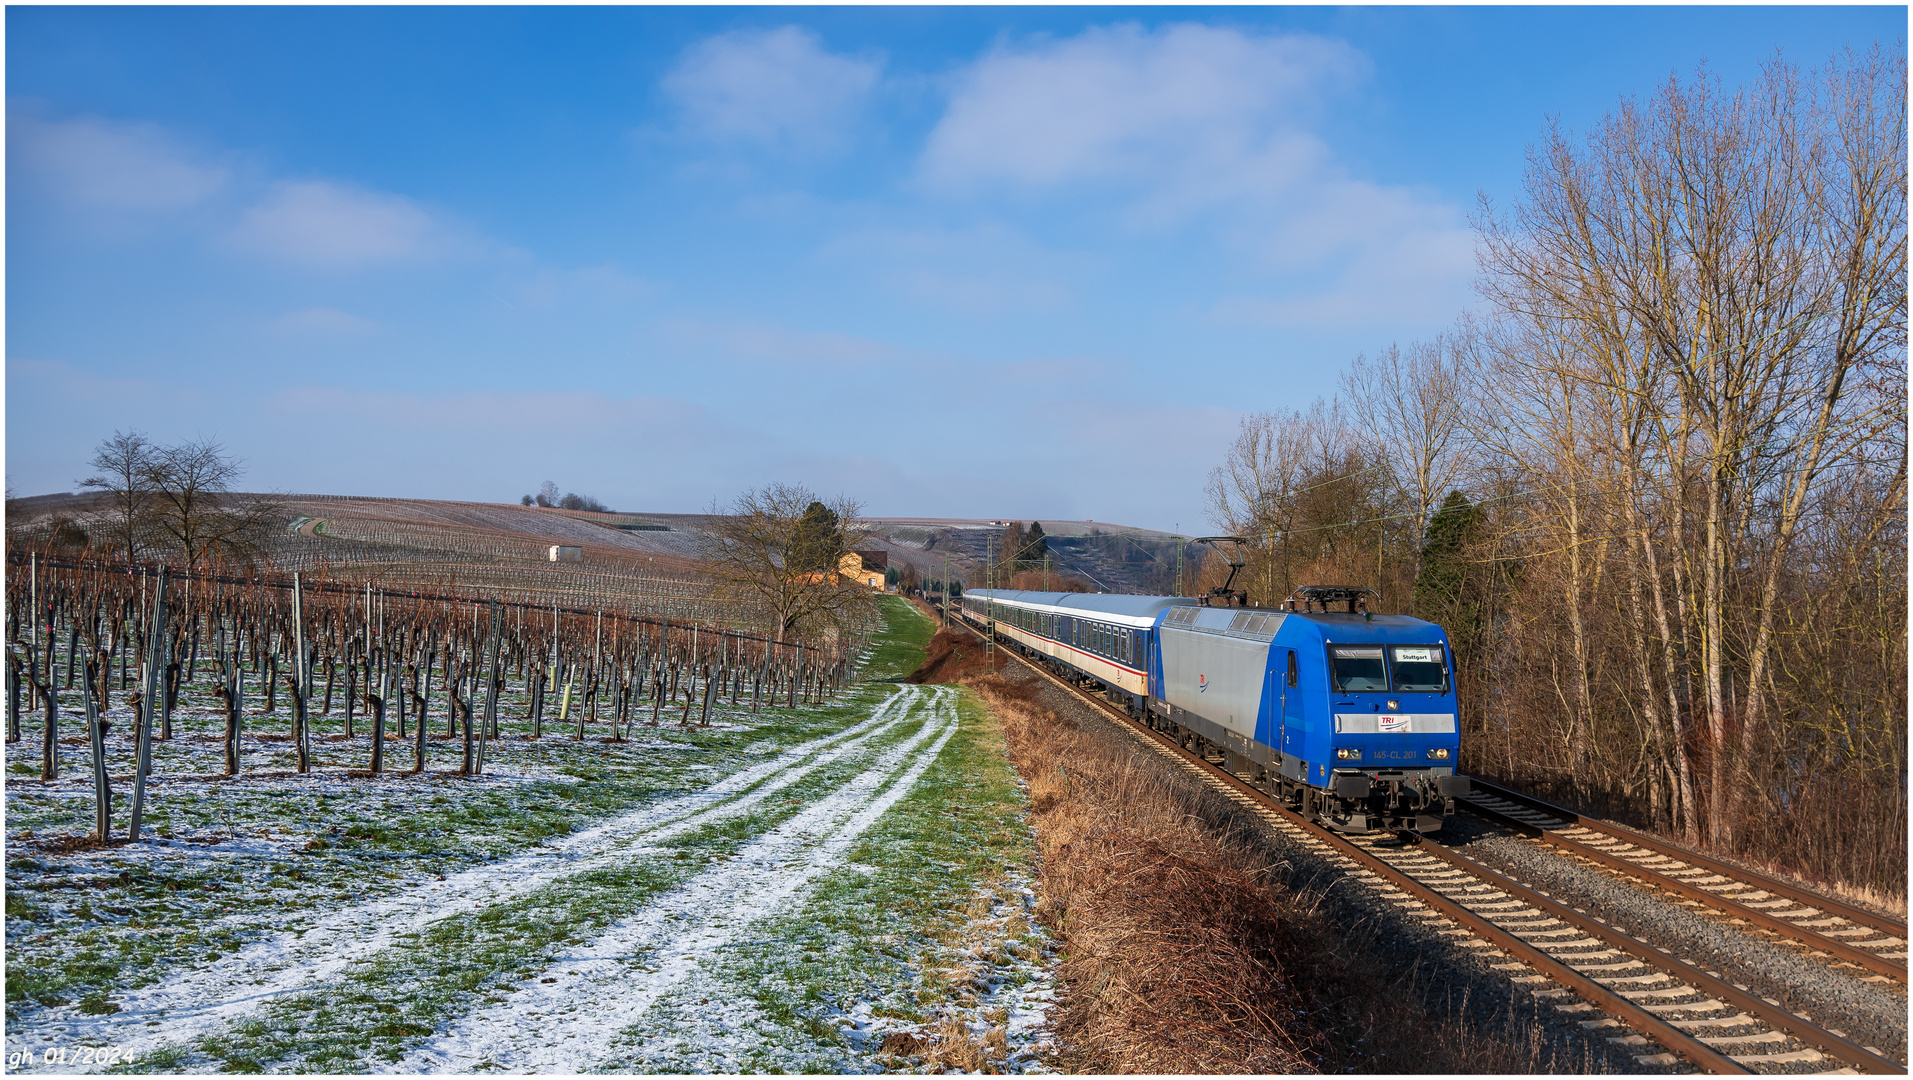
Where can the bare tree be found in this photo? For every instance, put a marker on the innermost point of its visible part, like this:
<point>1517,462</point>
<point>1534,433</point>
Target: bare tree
<point>1311,498</point>
<point>1409,401</point>
<point>123,471</point>
<point>779,549</point>
<point>1714,267</point>
<point>194,505</point>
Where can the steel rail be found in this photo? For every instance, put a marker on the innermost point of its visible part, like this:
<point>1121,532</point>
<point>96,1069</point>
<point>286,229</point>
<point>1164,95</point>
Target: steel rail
<point>1861,916</point>
<point>1772,1015</point>
<point>1673,1039</point>
<point>1807,935</point>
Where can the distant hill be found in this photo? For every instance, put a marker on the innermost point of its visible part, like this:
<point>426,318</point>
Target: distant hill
<point>1106,557</point>
<point>506,546</point>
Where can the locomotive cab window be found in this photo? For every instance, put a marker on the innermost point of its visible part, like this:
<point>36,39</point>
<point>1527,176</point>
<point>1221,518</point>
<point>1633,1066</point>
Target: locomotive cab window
<point>1418,668</point>
<point>1355,668</point>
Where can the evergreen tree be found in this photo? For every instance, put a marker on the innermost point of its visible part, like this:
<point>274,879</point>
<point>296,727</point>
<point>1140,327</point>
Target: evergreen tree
<point>1451,588</point>
<point>1009,551</point>
<point>1035,546</point>
<point>819,540</point>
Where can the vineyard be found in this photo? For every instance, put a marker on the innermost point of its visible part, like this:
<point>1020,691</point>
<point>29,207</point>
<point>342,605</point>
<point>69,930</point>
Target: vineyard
<point>291,644</point>
<point>318,901</point>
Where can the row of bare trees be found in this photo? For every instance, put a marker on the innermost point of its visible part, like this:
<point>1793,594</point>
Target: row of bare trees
<point>173,502</point>
<point>1656,488</point>
<point>282,646</point>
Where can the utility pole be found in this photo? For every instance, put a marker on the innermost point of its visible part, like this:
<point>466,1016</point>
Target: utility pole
<point>989,606</point>
<point>1045,571</point>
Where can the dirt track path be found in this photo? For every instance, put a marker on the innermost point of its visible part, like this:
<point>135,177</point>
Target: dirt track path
<point>570,1016</point>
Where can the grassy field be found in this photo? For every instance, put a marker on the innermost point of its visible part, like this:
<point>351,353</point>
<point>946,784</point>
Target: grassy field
<point>841,888</point>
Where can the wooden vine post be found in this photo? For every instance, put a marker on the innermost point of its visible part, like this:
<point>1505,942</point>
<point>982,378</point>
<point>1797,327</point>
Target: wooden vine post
<point>149,697</point>
<point>301,678</point>
<point>96,740</point>
<point>491,683</point>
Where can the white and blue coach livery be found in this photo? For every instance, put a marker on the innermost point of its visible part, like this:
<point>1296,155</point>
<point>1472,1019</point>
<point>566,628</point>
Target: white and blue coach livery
<point>1348,716</point>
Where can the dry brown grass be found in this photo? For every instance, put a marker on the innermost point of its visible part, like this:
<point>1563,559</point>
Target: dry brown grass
<point>956,1048</point>
<point>1175,949</point>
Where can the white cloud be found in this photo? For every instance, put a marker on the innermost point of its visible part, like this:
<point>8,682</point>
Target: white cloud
<point>985,270</point>
<point>316,223</point>
<point>1179,105</point>
<point>777,87</point>
<point>1195,123</point>
<point>110,165</point>
<point>1368,254</point>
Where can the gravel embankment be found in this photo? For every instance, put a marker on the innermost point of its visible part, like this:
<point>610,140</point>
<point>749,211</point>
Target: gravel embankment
<point>1870,1014</point>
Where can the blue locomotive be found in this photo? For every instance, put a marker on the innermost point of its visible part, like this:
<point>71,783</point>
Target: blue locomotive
<point>1348,716</point>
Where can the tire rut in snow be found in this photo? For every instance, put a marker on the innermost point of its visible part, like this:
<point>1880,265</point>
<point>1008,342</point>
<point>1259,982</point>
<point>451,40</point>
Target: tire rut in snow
<point>205,1000</point>
<point>575,1021</point>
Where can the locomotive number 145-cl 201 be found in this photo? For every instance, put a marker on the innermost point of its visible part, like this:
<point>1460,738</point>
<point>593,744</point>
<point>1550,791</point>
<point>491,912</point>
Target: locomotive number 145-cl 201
<point>1346,715</point>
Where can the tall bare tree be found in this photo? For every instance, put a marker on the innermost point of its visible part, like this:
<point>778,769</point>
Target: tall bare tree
<point>1409,402</point>
<point>123,471</point>
<point>194,505</point>
<point>1720,263</point>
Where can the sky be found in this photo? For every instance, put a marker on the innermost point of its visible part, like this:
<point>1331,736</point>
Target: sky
<point>958,262</point>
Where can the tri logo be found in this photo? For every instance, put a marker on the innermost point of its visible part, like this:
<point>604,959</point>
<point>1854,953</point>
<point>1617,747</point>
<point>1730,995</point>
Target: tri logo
<point>1202,684</point>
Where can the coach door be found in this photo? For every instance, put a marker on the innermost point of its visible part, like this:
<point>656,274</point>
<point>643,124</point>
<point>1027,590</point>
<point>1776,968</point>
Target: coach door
<point>1291,702</point>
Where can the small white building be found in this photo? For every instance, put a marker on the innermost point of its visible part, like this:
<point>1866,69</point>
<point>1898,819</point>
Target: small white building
<point>567,553</point>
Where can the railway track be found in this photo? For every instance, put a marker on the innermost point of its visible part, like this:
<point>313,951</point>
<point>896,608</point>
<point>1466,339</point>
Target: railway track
<point>1843,935</point>
<point>1664,1010</point>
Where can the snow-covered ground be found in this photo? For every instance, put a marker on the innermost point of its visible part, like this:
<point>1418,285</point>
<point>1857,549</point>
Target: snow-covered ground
<point>586,1000</point>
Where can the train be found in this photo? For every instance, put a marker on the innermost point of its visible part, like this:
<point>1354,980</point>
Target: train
<point>1349,717</point>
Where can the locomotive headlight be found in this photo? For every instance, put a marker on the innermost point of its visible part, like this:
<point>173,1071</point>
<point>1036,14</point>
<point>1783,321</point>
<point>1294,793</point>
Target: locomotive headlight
<point>1439,753</point>
<point>1348,754</point>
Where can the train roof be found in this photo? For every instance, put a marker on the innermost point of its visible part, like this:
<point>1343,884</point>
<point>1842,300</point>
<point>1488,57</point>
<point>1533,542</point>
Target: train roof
<point>1143,610</point>
<point>1340,626</point>
<point>1116,607</point>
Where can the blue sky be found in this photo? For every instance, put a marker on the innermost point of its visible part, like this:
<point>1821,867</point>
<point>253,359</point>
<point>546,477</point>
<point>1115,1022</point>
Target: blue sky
<point>1002,262</point>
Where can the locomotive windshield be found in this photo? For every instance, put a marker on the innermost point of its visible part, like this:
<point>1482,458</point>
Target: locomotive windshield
<point>1409,669</point>
<point>1418,668</point>
<point>1357,667</point>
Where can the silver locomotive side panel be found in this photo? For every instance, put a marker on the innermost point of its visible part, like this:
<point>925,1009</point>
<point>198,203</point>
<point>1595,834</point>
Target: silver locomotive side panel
<point>1216,677</point>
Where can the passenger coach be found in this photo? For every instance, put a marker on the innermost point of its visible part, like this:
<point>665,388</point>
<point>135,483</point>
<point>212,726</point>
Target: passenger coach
<point>1348,716</point>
